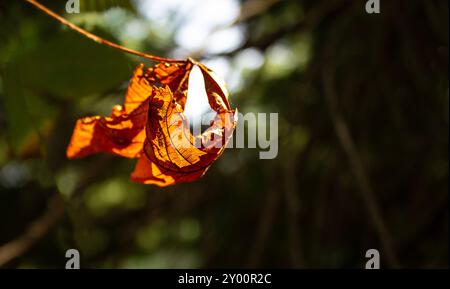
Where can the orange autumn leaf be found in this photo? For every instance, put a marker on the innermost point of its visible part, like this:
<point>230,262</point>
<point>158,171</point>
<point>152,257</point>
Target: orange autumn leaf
<point>151,124</point>
<point>152,127</point>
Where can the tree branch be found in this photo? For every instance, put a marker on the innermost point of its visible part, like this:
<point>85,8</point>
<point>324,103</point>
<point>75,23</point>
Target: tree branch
<point>97,38</point>
<point>35,231</point>
<point>348,145</point>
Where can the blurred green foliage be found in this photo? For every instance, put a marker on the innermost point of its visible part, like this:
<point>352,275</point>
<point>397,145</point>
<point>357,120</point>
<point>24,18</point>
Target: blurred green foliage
<point>323,63</point>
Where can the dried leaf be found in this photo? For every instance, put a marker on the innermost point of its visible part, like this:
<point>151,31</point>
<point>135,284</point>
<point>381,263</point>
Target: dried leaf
<point>152,126</point>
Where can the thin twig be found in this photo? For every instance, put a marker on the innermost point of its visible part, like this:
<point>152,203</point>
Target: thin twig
<point>268,216</point>
<point>56,208</point>
<point>97,38</point>
<point>356,163</point>
<point>253,8</point>
<point>308,23</point>
<point>35,231</point>
<point>293,210</point>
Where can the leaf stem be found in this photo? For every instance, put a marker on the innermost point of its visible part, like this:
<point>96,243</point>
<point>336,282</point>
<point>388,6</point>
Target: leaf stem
<point>97,38</point>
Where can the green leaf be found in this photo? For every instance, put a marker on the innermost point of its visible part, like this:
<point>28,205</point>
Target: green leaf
<point>29,115</point>
<point>71,66</point>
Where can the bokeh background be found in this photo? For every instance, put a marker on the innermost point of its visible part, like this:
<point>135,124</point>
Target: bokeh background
<point>363,103</point>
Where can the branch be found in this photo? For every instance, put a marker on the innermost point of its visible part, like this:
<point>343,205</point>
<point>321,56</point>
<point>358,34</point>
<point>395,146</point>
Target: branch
<point>311,20</point>
<point>35,231</point>
<point>356,163</point>
<point>253,8</point>
<point>97,38</point>
<point>56,207</point>
<point>267,218</point>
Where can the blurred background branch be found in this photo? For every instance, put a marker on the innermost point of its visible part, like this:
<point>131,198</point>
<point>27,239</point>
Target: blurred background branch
<point>34,232</point>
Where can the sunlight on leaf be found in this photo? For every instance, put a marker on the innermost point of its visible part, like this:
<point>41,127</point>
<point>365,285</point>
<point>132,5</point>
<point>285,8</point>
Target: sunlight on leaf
<point>152,126</point>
